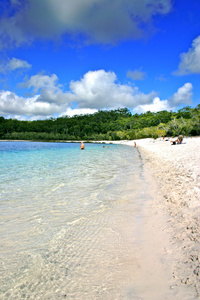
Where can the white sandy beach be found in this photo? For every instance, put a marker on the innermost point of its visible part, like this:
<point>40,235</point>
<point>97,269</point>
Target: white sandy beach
<point>171,231</point>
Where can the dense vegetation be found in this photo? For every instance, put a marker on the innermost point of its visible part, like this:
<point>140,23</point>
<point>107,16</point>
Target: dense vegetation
<point>105,125</point>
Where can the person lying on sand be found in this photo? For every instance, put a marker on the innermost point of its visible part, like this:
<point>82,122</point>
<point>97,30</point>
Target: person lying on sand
<point>173,142</point>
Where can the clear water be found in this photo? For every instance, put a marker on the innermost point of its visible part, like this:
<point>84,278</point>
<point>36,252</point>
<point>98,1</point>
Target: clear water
<point>68,220</point>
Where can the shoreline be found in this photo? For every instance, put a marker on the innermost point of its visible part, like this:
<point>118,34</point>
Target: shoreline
<point>171,218</point>
<point>174,170</point>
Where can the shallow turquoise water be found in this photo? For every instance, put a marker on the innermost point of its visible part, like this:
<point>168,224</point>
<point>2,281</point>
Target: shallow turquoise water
<point>58,203</point>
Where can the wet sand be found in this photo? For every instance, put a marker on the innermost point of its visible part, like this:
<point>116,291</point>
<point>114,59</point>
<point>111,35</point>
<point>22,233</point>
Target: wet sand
<point>170,230</point>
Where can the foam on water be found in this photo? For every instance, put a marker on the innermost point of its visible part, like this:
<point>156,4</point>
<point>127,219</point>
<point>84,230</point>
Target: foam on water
<point>67,220</point>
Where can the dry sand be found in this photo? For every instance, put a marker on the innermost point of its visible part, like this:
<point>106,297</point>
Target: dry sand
<point>170,230</point>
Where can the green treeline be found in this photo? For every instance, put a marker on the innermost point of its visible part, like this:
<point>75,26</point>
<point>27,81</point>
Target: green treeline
<point>110,125</point>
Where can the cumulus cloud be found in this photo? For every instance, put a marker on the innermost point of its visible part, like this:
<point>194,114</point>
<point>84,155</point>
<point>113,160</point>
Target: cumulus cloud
<point>99,89</point>
<point>136,74</point>
<point>182,96</point>
<point>156,105</point>
<point>50,99</point>
<point>95,90</point>
<point>103,21</point>
<point>190,61</point>
<point>78,111</point>
<point>14,64</point>
<point>49,89</point>
<point>41,81</point>
<point>11,104</point>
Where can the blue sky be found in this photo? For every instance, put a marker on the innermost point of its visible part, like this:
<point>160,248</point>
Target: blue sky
<point>66,57</point>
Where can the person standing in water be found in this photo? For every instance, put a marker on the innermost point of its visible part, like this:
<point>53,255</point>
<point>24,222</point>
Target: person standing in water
<point>82,146</point>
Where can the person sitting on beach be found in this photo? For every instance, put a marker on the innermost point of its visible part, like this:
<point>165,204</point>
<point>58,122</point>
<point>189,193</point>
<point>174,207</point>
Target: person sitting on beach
<point>82,146</point>
<point>180,139</point>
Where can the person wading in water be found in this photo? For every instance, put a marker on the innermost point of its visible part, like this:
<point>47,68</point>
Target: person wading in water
<point>82,146</point>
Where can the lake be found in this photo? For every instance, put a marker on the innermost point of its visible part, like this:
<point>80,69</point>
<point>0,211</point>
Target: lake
<point>70,220</point>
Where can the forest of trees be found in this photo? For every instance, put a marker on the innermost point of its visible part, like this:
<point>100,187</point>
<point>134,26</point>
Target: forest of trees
<point>105,125</point>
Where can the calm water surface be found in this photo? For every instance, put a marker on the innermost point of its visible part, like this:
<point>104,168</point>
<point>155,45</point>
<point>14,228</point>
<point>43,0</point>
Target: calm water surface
<point>68,220</point>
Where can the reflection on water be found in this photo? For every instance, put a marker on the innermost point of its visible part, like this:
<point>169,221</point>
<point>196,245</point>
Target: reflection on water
<point>67,220</point>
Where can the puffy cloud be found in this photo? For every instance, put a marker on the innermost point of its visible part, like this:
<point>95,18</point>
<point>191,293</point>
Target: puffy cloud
<point>156,105</point>
<point>76,111</point>
<point>182,96</point>
<point>14,64</point>
<point>136,75</point>
<point>104,21</point>
<point>41,81</point>
<point>99,89</point>
<point>95,90</point>
<point>11,104</point>
<point>49,101</point>
<point>190,61</point>
<point>50,90</point>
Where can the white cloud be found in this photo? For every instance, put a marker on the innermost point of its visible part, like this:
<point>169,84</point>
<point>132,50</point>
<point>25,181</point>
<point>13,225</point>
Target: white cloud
<point>40,81</point>
<point>182,96</point>
<point>104,21</point>
<point>76,111</point>
<point>156,105</point>
<point>136,75</point>
<point>49,89</point>
<point>11,104</point>
<point>99,89</point>
<point>190,61</point>
<point>14,64</point>
<point>95,90</point>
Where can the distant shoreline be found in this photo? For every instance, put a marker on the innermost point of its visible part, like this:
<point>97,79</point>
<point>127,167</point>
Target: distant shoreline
<point>121,142</point>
